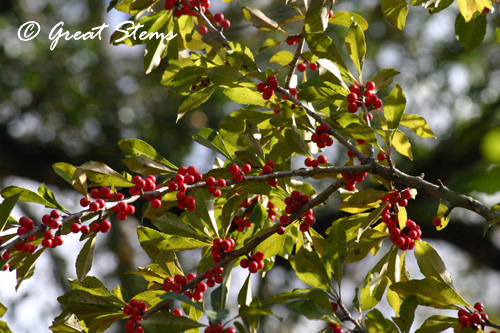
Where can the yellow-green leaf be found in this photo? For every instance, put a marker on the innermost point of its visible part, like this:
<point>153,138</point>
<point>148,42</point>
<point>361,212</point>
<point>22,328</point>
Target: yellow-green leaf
<point>402,144</point>
<point>467,8</point>
<point>395,12</point>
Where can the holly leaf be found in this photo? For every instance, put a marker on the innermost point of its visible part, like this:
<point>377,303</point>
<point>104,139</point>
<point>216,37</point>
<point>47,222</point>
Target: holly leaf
<point>394,107</point>
<point>165,321</point>
<point>346,19</point>
<point>384,77</point>
<point>356,47</point>
<point>316,19</point>
<point>6,208</point>
<point>212,140</point>
<point>26,268</point>
<point>195,99</point>
<point>401,143</point>
<point>395,12</point>
<point>417,124</point>
<point>26,195</point>
<point>309,268</point>
<point>430,292</point>
<point>85,258</point>
<point>430,263</point>
<point>438,323</point>
<point>282,57</point>
<point>259,19</point>
<point>470,33</point>
<point>467,8</point>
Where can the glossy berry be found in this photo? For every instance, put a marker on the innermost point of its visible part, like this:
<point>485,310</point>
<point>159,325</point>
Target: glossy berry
<point>156,203</point>
<point>225,24</point>
<point>219,17</point>
<point>313,67</point>
<point>370,85</point>
<point>302,67</point>
<point>202,30</point>
<point>436,221</point>
<point>479,307</point>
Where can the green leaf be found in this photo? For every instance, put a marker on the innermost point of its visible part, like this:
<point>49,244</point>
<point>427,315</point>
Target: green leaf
<point>359,248</point>
<point>25,195</point>
<point>165,321</point>
<point>309,268</point>
<point>438,323</point>
<point>101,174</point>
<point>417,124</point>
<point>228,77</point>
<point>179,297</point>
<point>154,242</point>
<point>259,19</point>
<point>195,99</point>
<point>296,143</point>
<point>6,208</point>
<point>171,224</point>
<point>376,323</point>
<point>220,294</point>
<point>375,282</point>
<point>336,250</point>
<point>69,323</point>
<point>497,33</point>
<point>430,292</point>
<point>406,314</point>
<point>282,57</point>
<point>470,33</point>
<point>312,310</point>
<point>430,263</point>
<point>394,107</point>
<point>246,96</point>
<point>345,19</point>
<point>65,171</point>
<point>144,165</point>
<point>322,46</point>
<point>272,245</point>
<point>211,139</point>
<point>435,6</point>
<point>401,143</point>
<point>131,6</point>
<point>3,310</point>
<point>245,294</point>
<point>467,8</point>
<point>356,47</point>
<point>235,121</point>
<point>26,268</point>
<point>49,196</point>
<point>384,77</point>
<point>316,19</point>
<point>85,258</point>
<point>395,12</point>
<point>153,53</point>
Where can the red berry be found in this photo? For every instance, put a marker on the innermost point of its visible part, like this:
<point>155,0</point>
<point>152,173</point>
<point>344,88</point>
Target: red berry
<point>75,227</point>
<point>202,30</point>
<point>253,267</point>
<point>121,216</point>
<point>55,224</point>
<point>218,269</point>
<point>302,67</point>
<point>352,108</point>
<point>96,227</point>
<point>94,206</point>
<point>407,194</point>
<point>352,98</point>
<point>330,14</point>
<point>233,168</point>
<point>313,67</point>
<point>84,202</point>
<point>246,168</point>
<point>304,227</point>
<point>95,194</point>
<point>261,87</point>
<point>381,156</point>
<point>225,24</point>
<point>479,307</point>
<point>436,221</point>
<point>322,159</point>
<point>258,256</point>
<point>219,17</point>
<point>370,85</point>
<point>221,183</point>
<point>156,203</point>
<point>280,230</point>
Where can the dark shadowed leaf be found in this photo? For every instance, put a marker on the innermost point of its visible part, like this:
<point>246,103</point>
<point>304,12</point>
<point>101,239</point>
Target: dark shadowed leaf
<point>26,269</point>
<point>166,322</point>
<point>470,34</point>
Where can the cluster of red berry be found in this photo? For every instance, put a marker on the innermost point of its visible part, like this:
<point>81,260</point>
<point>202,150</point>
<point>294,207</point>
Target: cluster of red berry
<point>26,225</point>
<point>321,136</point>
<point>135,309</point>
<point>212,186</point>
<point>271,213</point>
<point>242,223</point>
<point>49,240</point>
<point>293,39</point>
<point>310,162</point>
<point>355,97</point>
<point>175,284</point>
<point>186,201</point>
<point>105,193</point>
<point>294,203</point>
<point>268,168</point>
<point>303,66</point>
<point>238,174</point>
<point>253,263</point>
<point>185,7</point>
<point>351,178</point>
<point>473,319</point>
<point>219,18</point>
<point>267,90</point>
<point>220,248</point>
<point>214,276</point>
<point>400,198</point>
<point>336,328</point>
<point>219,329</point>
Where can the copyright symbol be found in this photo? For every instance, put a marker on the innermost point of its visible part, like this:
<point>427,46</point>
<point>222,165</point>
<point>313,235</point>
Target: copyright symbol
<point>28,31</point>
